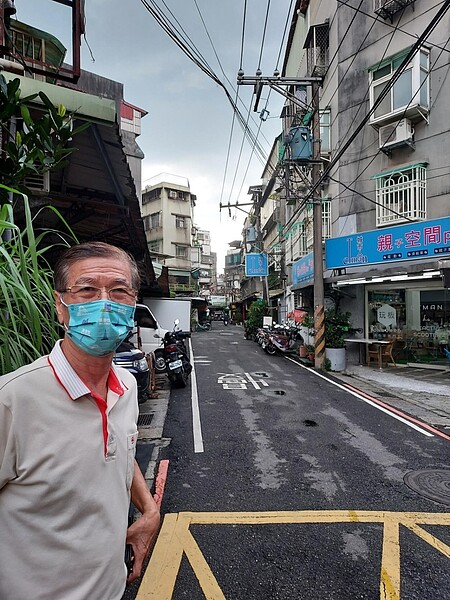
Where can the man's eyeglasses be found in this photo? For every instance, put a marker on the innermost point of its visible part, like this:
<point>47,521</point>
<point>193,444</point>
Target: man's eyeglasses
<point>88,292</point>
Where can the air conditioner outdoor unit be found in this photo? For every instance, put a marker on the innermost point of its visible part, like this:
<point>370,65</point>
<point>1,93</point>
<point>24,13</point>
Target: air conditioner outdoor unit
<point>396,134</point>
<point>38,184</point>
<point>172,194</point>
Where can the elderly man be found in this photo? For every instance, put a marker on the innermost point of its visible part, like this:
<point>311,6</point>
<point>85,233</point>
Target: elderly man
<point>67,445</point>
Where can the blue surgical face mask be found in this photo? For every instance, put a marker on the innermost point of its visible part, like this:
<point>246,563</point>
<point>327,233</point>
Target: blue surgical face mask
<point>98,327</point>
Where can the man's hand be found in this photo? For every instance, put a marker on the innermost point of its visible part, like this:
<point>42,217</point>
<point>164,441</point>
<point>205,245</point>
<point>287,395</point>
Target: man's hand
<point>142,533</point>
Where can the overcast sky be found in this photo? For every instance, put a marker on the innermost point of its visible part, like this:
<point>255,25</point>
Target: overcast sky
<point>188,126</point>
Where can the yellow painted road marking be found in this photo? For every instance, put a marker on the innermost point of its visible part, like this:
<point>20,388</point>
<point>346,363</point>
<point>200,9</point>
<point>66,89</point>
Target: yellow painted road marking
<point>175,538</point>
<point>390,561</point>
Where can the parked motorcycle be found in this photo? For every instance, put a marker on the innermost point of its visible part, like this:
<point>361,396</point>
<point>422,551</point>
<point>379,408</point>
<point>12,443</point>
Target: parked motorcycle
<point>283,341</point>
<point>176,357</point>
<point>131,358</point>
<point>262,336</point>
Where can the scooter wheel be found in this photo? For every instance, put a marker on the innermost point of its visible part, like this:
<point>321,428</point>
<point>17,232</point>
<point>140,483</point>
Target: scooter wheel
<point>180,380</point>
<point>270,349</point>
<point>160,363</point>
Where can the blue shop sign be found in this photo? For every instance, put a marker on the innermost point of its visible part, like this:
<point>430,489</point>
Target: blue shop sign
<point>303,270</point>
<point>256,265</point>
<point>418,240</point>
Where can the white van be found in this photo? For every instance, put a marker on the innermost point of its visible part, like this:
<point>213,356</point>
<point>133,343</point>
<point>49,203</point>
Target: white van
<point>150,335</point>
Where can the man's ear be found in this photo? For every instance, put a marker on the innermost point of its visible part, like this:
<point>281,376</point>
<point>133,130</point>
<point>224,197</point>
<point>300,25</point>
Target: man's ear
<point>59,307</point>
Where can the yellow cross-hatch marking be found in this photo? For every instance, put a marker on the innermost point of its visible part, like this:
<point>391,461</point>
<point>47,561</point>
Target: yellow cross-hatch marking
<point>175,538</point>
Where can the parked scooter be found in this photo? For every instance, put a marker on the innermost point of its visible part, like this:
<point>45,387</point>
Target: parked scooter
<point>262,336</point>
<point>133,359</point>
<point>283,341</point>
<point>176,357</point>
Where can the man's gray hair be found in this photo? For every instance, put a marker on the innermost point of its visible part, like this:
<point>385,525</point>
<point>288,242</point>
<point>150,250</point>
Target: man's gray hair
<point>91,250</point>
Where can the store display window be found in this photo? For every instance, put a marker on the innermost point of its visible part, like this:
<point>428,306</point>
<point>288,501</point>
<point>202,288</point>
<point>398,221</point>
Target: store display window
<point>418,320</point>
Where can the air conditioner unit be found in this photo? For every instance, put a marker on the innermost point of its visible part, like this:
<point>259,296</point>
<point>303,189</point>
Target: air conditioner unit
<point>38,183</point>
<point>172,194</point>
<point>396,134</point>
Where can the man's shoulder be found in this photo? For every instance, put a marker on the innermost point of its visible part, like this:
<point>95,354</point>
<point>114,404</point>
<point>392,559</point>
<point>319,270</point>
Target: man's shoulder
<point>26,371</point>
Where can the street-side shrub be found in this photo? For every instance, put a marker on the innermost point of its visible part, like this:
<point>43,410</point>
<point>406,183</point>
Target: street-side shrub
<point>255,317</point>
<point>28,323</point>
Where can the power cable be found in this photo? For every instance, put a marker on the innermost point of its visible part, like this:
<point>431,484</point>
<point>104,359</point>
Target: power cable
<point>428,30</point>
<point>401,117</point>
<point>408,33</point>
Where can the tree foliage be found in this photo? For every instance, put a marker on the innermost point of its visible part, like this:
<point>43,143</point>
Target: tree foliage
<point>31,145</point>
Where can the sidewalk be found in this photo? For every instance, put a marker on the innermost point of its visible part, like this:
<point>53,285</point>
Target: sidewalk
<point>422,393</point>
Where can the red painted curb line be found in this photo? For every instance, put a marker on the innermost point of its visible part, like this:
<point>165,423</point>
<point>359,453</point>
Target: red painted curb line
<point>160,482</point>
<point>398,412</point>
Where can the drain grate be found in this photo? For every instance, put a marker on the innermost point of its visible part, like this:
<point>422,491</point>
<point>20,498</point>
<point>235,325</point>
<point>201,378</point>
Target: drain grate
<point>145,420</point>
<point>279,392</point>
<point>309,423</point>
<point>259,374</point>
<point>430,483</point>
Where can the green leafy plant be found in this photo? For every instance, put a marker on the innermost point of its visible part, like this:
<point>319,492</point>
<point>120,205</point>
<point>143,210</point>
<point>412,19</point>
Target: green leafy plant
<point>28,323</point>
<point>35,144</point>
<point>255,317</point>
<point>337,325</point>
<point>327,364</point>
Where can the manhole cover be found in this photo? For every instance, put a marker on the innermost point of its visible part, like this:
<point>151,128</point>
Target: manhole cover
<point>309,423</point>
<point>430,483</point>
<point>279,392</point>
<point>144,420</point>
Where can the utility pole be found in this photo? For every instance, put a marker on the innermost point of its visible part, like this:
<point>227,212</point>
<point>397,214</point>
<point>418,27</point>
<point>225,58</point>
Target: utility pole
<point>319,313</point>
<point>279,84</point>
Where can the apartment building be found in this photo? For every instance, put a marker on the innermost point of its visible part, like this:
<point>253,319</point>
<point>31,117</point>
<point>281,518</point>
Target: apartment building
<point>167,213</point>
<point>204,262</point>
<point>383,154</point>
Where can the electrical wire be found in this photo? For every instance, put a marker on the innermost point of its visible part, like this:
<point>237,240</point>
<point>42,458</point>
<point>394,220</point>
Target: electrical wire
<point>428,30</point>
<point>400,118</point>
<point>408,33</point>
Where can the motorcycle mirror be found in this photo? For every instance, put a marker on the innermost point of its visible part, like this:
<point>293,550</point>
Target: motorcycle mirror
<point>157,336</point>
<point>177,321</point>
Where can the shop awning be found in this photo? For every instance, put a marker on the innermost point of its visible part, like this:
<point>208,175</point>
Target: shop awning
<point>276,293</point>
<point>86,106</point>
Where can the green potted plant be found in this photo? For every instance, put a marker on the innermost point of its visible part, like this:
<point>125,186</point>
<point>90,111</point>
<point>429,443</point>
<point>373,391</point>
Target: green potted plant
<point>310,352</point>
<point>337,325</point>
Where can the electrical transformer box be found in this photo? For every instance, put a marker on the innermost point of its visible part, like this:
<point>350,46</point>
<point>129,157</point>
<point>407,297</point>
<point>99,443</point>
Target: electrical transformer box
<point>300,142</point>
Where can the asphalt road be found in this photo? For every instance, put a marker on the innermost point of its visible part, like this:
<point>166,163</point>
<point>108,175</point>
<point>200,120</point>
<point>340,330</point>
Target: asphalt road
<point>282,485</point>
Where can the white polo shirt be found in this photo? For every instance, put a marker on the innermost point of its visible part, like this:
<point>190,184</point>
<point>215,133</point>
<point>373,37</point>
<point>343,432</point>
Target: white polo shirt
<point>66,466</point>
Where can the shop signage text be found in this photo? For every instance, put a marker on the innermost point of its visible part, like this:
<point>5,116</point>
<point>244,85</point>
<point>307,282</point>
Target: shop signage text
<point>303,270</point>
<point>256,265</point>
<point>426,239</point>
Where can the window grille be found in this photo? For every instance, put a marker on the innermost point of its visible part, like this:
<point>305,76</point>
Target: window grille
<point>387,8</point>
<point>317,45</point>
<point>180,222</point>
<point>401,195</point>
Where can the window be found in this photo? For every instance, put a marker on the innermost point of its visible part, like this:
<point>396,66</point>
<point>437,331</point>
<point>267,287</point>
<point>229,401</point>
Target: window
<point>154,246</point>
<point>410,93</point>
<point>155,220</point>
<point>181,251</point>
<point>401,195</point>
<point>151,195</point>
<point>317,44</point>
<point>180,222</point>
<point>325,140</point>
